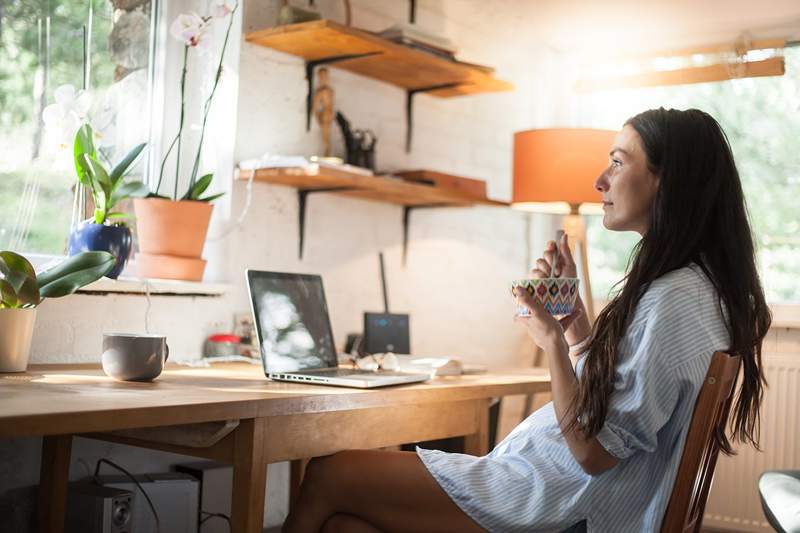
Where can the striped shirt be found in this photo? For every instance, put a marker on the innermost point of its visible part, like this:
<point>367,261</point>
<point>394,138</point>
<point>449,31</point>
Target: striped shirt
<point>531,481</point>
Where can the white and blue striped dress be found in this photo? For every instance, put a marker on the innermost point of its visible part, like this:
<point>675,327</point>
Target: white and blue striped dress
<point>531,482</point>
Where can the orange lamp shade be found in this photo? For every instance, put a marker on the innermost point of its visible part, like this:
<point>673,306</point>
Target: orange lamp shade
<point>559,165</point>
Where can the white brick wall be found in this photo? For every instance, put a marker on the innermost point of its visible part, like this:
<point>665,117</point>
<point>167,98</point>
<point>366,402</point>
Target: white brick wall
<point>460,260</point>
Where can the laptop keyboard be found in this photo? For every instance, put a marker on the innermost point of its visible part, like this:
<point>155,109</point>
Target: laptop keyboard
<point>340,372</point>
<point>344,372</point>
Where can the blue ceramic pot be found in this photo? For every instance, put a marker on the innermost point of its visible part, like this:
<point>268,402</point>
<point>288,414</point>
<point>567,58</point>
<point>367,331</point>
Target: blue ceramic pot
<point>91,237</point>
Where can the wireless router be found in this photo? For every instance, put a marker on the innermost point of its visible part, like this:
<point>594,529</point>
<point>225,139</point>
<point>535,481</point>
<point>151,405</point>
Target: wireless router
<point>386,332</point>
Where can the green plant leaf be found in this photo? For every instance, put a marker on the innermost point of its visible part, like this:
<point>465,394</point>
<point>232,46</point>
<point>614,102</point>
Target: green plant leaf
<point>211,198</point>
<point>8,296</point>
<point>101,188</point>
<point>83,146</point>
<point>119,214</point>
<point>19,273</point>
<point>200,186</point>
<point>131,189</point>
<point>14,265</point>
<point>99,173</point>
<point>156,195</point>
<point>74,273</point>
<point>123,165</point>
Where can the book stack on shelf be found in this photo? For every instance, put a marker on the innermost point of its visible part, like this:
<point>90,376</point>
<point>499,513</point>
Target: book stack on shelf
<point>412,36</point>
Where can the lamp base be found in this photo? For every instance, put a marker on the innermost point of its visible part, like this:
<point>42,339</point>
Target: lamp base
<point>575,227</point>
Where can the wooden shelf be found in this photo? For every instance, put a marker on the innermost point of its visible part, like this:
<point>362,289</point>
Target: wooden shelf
<point>316,179</point>
<point>378,188</point>
<point>390,62</point>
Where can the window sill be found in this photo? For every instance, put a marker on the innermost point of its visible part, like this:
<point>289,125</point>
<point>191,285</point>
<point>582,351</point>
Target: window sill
<point>161,287</point>
<point>785,316</point>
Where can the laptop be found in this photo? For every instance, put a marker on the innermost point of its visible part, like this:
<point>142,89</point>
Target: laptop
<point>295,336</point>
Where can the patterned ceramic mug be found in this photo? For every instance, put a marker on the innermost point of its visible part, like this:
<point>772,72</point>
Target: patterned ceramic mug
<point>557,295</point>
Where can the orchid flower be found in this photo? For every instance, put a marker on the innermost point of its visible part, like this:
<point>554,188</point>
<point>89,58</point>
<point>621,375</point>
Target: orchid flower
<point>221,8</point>
<point>65,116</point>
<point>189,28</point>
<point>103,123</point>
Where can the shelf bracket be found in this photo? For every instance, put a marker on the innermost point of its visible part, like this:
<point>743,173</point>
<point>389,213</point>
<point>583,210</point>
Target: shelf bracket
<point>302,197</point>
<point>406,221</point>
<point>311,65</point>
<point>410,93</point>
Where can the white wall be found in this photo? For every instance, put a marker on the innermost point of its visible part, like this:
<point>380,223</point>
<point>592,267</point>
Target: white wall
<point>455,284</point>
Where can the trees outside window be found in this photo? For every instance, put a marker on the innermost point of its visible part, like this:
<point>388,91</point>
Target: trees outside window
<point>761,117</point>
<point>45,44</point>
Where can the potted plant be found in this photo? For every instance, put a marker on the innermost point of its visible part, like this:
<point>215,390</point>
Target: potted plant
<point>22,290</point>
<point>107,230</point>
<point>172,229</point>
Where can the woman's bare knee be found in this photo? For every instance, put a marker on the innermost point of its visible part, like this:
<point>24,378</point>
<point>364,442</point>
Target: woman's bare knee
<point>346,523</point>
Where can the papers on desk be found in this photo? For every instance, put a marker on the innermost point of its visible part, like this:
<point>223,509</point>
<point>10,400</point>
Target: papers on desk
<point>435,366</point>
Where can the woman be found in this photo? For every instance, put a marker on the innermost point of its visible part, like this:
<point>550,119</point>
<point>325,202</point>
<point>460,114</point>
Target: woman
<point>606,450</point>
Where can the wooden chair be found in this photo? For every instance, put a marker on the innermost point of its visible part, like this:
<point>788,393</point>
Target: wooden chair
<point>689,493</point>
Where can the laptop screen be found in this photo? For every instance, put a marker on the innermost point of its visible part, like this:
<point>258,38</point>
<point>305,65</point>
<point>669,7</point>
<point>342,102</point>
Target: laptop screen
<point>292,321</point>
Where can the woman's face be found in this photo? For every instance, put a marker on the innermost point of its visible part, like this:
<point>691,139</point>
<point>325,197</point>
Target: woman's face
<point>627,185</point>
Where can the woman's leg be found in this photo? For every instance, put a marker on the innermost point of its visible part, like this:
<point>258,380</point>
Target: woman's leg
<point>387,491</point>
<point>347,523</point>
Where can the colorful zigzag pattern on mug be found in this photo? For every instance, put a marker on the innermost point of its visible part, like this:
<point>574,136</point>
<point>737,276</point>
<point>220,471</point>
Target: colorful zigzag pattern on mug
<point>557,295</point>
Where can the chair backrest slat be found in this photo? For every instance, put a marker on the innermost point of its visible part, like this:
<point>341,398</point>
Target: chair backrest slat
<point>687,503</point>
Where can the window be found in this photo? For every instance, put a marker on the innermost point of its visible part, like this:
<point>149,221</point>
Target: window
<point>761,117</point>
<point>45,44</point>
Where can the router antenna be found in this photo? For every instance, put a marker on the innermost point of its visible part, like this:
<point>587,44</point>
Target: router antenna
<point>383,284</point>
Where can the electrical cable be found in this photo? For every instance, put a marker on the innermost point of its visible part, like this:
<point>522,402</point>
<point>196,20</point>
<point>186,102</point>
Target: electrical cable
<point>147,308</point>
<point>146,497</point>
<point>209,516</point>
<point>242,215</point>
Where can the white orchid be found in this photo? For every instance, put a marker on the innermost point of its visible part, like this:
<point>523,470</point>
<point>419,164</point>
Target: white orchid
<point>189,28</point>
<point>103,123</point>
<point>221,8</point>
<point>65,116</point>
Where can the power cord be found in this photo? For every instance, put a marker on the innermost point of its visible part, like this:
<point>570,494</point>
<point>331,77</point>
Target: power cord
<point>242,214</point>
<point>132,478</point>
<point>209,516</point>
<point>147,309</point>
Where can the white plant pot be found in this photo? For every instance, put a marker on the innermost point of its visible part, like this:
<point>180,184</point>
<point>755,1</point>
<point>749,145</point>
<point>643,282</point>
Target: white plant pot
<point>16,332</point>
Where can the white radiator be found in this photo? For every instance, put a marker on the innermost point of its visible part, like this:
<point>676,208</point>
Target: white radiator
<point>733,503</point>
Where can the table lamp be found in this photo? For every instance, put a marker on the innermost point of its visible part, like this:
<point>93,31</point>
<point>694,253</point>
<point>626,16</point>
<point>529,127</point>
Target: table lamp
<point>554,172</point>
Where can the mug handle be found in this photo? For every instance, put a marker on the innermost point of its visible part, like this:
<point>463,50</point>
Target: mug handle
<point>167,355</point>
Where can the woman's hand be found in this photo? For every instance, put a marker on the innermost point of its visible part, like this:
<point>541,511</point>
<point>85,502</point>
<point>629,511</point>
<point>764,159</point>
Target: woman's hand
<point>560,257</point>
<point>543,328</point>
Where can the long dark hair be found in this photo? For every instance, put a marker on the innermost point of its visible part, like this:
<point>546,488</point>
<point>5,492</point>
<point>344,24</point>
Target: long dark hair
<point>699,216</point>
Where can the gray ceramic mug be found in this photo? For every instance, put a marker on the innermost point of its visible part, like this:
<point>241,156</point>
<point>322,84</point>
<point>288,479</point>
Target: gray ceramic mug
<point>134,357</point>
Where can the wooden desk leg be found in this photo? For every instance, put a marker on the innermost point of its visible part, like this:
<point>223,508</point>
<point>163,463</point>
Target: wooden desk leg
<point>249,476</point>
<point>54,482</point>
<point>478,443</point>
<point>296,472</point>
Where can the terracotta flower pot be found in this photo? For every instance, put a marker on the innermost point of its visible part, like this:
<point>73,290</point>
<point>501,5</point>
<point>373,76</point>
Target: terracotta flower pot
<point>170,267</point>
<point>170,227</point>
<point>16,326</point>
<point>171,237</point>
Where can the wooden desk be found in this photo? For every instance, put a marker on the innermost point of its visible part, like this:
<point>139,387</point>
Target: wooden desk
<point>273,421</point>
